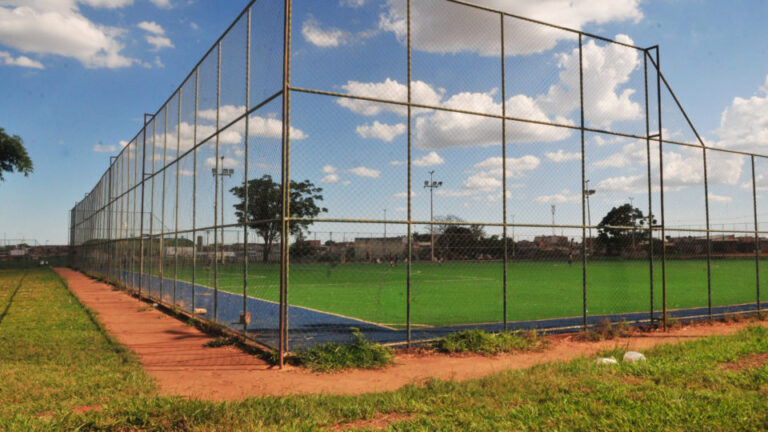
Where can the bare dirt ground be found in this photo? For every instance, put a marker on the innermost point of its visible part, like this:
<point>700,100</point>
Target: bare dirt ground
<point>174,354</point>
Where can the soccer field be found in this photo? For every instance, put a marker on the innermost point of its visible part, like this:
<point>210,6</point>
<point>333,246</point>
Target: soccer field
<point>472,292</point>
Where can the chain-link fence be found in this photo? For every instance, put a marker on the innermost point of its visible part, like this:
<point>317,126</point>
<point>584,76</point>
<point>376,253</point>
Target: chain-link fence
<point>411,168</point>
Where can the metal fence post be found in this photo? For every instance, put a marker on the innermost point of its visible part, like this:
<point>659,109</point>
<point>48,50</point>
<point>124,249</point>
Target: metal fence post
<point>194,194</point>
<point>141,215</point>
<point>504,170</point>
<point>245,171</point>
<point>757,235</point>
<point>583,190</point>
<point>650,188</point>
<point>661,192</point>
<point>218,170</point>
<point>410,199</point>
<point>709,240</point>
<point>285,182</point>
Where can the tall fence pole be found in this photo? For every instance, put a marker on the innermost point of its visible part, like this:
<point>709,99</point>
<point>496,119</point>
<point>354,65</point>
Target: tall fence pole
<point>217,173</point>
<point>141,211</point>
<point>161,252</point>
<point>583,190</point>
<point>246,203</point>
<point>650,183</point>
<point>176,208</point>
<point>661,194</point>
<point>504,169</point>
<point>709,240</point>
<point>757,235</point>
<point>409,264</point>
<point>194,194</point>
<point>285,182</point>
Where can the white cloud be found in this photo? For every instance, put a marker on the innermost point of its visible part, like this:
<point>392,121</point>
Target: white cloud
<point>404,194</point>
<point>261,127</point>
<point>23,61</point>
<point>352,3</point>
<point>324,38</point>
<point>159,42</point>
<point>151,27</point>
<point>193,25</point>
<point>330,178</point>
<point>606,68</point>
<point>58,28</point>
<point>486,177</point>
<point>443,129</point>
<point>227,163</point>
<point>719,198</point>
<point>744,124</point>
<point>382,131</point>
<point>165,4</point>
<point>158,63</point>
<point>565,196</point>
<point>562,156</point>
<point>430,159</point>
<point>329,169</point>
<point>477,31</point>
<point>362,171</point>
<point>101,148</point>
<point>109,4</point>
<point>346,182</point>
<point>389,89</point>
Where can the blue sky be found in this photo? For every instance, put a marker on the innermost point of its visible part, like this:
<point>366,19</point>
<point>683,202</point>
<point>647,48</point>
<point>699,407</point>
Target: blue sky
<point>78,75</point>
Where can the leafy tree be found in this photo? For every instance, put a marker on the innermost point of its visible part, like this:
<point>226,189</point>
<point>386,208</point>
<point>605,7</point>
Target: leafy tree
<point>13,155</point>
<point>615,239</point>
<point>265,207</point>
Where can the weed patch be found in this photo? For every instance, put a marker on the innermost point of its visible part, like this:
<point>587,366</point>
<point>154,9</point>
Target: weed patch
<point>480,342</point>
<point>332,357</point>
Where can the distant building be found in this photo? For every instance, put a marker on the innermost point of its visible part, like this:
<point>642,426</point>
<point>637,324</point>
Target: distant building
<point>381,247</point>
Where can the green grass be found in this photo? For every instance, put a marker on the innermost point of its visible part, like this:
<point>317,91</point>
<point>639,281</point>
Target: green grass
<point>471,292</point>
<point>54,358</point>
<point>360,353</point>
<point>478,341</point>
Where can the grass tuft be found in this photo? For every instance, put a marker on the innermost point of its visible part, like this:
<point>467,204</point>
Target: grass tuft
<point>607,330</point>
<point>333,357</point>
<point>478,341</point>
<point>220,342</point>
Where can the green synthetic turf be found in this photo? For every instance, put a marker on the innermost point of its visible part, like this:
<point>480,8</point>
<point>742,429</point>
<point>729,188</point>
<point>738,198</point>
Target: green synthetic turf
<point>472,292</point>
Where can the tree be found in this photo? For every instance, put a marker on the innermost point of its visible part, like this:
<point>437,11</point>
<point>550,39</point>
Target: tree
<point>265,208</point>
<point>13,155</point>
<point>615,239</point>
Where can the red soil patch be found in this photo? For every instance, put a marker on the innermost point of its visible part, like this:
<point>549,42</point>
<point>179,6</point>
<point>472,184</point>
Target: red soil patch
<point>378,423</point>
<point>86,408</point>
<point>747,362</point>
<point>173,353</point>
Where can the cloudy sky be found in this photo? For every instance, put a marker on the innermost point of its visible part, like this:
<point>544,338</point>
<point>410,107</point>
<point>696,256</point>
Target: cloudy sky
<point>77,75</point>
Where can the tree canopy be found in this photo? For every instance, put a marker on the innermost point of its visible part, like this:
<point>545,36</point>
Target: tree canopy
<point>265,207</point>
<point>617,228</point>
<point>13,155</point>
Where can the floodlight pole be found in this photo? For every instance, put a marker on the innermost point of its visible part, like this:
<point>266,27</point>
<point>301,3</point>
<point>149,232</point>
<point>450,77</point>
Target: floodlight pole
<point>224,172</point>
<point>587,193</point>
<point>632,207</point>
<point>385,223</point>
<point>432,185</point>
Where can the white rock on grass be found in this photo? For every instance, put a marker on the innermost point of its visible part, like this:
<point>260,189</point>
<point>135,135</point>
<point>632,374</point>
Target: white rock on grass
<point>606,360</point>
<point>633,356</point>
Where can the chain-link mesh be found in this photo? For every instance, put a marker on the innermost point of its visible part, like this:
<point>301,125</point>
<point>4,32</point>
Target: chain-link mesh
<point>444,166</point>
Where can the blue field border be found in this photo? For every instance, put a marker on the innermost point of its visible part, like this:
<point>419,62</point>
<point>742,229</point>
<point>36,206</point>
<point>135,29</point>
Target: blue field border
<point>309,327</point>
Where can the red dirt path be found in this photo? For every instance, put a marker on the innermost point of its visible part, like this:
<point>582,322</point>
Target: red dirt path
<point>174,354</point>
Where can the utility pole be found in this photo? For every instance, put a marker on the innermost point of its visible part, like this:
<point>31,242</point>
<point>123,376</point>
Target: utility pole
<point>224,172</point>
<point>432,185</point>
